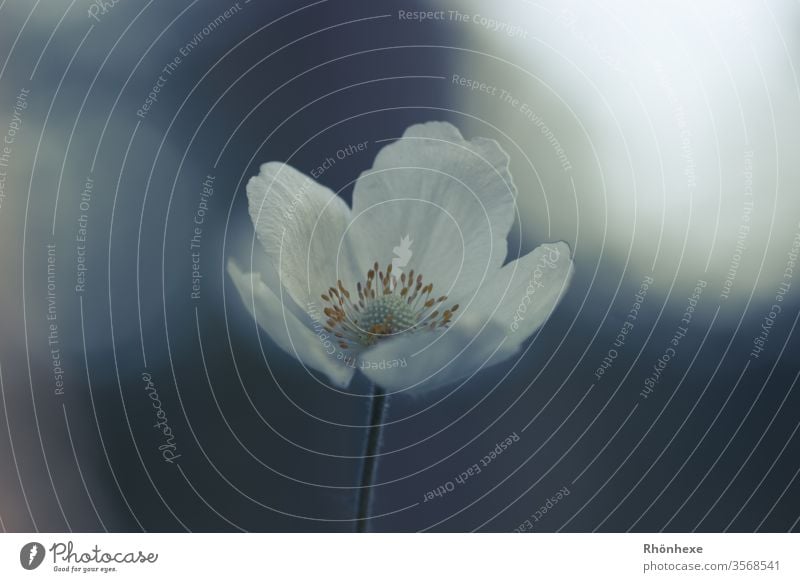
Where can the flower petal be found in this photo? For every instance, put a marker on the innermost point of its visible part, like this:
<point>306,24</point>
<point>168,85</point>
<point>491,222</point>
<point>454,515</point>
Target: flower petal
<point>525,292</point>
<point>302,226</point>
<point>427,360</point>
<point>453,198</point>
<point>503,314</point>
<point>286,330</point>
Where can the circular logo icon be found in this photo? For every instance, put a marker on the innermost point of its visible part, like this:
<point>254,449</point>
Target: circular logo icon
<point>31,555</point>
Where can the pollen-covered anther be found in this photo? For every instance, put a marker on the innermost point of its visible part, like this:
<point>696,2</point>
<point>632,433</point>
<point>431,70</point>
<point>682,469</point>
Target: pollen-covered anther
<point>386,306</point>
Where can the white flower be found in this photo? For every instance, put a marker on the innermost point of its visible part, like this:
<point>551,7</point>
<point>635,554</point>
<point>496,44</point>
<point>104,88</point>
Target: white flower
<point>331,298</point>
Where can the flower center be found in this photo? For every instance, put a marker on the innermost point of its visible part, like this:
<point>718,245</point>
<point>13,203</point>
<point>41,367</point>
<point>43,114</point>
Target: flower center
<point>386,306</point>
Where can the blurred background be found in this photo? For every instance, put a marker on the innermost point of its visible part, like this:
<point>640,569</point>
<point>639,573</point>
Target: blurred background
<point>660,141</point>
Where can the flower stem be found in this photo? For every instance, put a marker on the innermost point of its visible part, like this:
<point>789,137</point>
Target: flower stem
<point>374,439</point>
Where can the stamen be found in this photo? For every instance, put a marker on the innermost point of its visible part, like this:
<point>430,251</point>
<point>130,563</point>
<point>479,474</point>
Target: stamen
<point>403,304</point>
